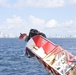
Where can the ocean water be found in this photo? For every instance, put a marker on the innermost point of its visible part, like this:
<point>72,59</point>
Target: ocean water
<point>14,62</point>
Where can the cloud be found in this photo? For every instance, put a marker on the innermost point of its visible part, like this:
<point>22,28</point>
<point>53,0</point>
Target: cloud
<point>40,3</point>
<point>67,27</point>
<point>4,3</point>
<point>70,23</point>
<point>71,2</point>
<point>40,22</point>
<point>15,24</point>
<point>36,21</point>
<point>37,3</point>
<point>44,3</point>
<point>51,23</point>
<point>15,20</point>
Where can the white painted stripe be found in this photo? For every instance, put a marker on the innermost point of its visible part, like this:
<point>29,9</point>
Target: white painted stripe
<point>37,51</point>
<point>30,44</point>
<point>40,52</point>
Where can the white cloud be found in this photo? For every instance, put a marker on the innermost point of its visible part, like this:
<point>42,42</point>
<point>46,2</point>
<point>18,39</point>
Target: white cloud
<point>67,27</point>
<point>40,22</point>
<point>51,23</point>
<point>40,3</point>
<point>44,3</point>
<point>70,2</point>
<point>4,3</point>
<point>15,20</point>
<point>36,21</point>
<point>70,23</point>
<point>74,1</point>
<point>37,3</point>
<point>14,24</point>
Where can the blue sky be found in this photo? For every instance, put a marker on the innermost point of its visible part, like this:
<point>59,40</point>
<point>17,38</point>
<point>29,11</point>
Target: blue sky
<point>53,17</point>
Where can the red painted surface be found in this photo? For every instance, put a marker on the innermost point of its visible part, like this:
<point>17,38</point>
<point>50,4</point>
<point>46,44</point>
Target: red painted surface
<point>39,41</point>
<point>51,47</point>
<point>22,36</point>
<point>48,47</point>
<point>45,44</point>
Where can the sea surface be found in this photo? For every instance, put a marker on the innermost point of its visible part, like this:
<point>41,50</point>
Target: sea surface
<point>14,62</point>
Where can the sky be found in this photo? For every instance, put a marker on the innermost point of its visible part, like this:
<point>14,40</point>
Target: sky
<point>52,17</point>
